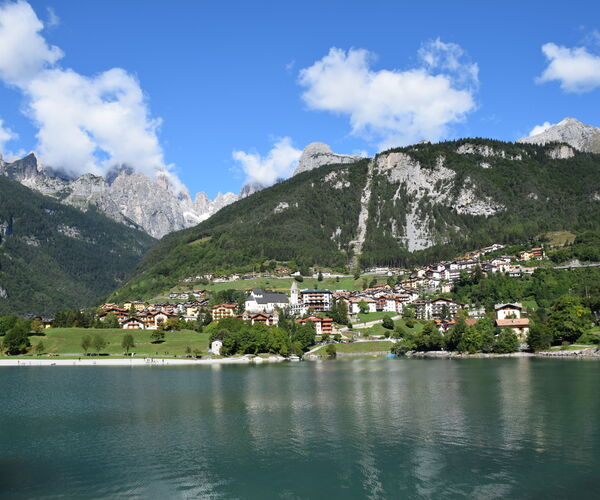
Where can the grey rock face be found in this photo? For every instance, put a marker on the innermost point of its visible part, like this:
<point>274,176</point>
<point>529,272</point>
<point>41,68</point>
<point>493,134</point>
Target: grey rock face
<point>572,132</point>
<point>318,154</point>
<point>154,205</point>
<point>250,188</point>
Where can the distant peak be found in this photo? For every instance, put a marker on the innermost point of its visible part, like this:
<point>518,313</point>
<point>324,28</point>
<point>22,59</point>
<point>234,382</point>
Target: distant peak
<point>316,148</point>
<point>317,154</point>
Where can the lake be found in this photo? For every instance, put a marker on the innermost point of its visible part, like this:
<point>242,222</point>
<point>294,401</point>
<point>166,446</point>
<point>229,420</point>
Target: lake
<point>363,428</point>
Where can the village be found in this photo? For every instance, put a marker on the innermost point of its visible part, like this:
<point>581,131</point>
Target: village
<point>405,293</point>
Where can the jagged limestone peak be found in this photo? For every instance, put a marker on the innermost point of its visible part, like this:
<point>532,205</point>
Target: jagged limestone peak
<point>569,131</point>
<point>317,154</point>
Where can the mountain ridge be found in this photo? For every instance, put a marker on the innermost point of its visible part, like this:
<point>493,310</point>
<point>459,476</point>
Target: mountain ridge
<point>54,256</point>
<point>413,205</point>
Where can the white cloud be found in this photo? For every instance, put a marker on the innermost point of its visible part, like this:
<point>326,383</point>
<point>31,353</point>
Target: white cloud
<point>577,69</point>
<point>391,106</point>
<point>85,123</point>
<point>23,51</point>
<point>278,163</point>
<point>538,129</point>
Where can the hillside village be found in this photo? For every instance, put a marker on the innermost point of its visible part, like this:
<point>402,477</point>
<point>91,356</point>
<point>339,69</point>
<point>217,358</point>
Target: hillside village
<point>406,293</point>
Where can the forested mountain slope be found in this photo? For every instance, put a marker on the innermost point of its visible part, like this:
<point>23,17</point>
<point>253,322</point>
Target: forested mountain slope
<point>406,206</point>
<point>54,256</point>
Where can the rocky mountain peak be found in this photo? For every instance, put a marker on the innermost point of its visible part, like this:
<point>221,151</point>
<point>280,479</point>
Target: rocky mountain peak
<point>250,188</point>
<point>569,131</point>
<point>156,205</point>
<point>317,154</point>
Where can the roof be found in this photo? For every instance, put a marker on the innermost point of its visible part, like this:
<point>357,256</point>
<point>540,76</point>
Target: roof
<point>516,323</point>
<point>513,305</point>
<point>316,291</point>
<point>228,306</point>
<point>272,298</point>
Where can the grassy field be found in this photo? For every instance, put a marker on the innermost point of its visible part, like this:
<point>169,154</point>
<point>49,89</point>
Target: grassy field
<point>364,318</point>
<point>377,329</point>
<point>68,341</point>
<point>282,284</point>
<point>360,347</point>
<point>560,238</point>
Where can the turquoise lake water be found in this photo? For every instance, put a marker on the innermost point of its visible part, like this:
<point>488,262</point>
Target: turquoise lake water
<point>368,428</point>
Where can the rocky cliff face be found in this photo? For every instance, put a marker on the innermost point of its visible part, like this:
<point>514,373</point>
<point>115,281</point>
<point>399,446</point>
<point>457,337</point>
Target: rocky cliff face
<point>153,205</point>
<point>569,131</point>
<point>318,154</point>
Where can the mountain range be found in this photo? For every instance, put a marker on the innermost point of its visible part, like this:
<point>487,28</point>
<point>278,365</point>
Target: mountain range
<point>413,205</point>
<point>157,205</point>
<point>405,206</point>
<point>153,205</point>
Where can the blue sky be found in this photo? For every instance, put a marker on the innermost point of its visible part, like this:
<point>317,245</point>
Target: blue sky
<point>226,77</point>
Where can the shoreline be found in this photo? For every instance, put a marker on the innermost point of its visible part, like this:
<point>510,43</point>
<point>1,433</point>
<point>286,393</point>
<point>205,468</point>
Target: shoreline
<point>242,360</point>
<point>589,353</point>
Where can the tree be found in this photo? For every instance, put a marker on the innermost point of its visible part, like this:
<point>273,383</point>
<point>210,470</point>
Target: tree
<point>363,307</point>
<point>127,342</point>
<point>132,310</point>
<point>430,339</point>
<point>299,278</point>
<point>539,338</point>
<point>331,351</point>
<point>40,348</point>
<point>99,343</point>
<point>470,341</point>
<point>36,326</point>
<point>170,325</point>
<point>207,319</point>
<point>455,335</point>
<point>86,343</point>
<point>188,351</point>
<point>324,337</point>
<point>16,340</point>
<point>157,336</point>
<point>568,319</point>
<point>320,276</point>
<point>506,342</point>
<point>111,321</point>
<point>6,323</point>
<point>403,346</point>
<point>487,333</point>
<point>445,314</point>
<point>388,323</point>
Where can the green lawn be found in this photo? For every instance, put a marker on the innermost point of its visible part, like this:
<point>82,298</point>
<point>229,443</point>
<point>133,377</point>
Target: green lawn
<point>378,329</point>
<point>68,341</point>
<point>560,238</point>
<point>279,284</point>
<point>363,318</point>
<point>360,347</point>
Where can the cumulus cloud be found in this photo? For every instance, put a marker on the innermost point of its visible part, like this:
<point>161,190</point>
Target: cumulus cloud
<point>538,129</point>
<point>576,69</point>
<point>394,107</point>
<point>23,50</point>
<point>85,123</point>
<point>279,162</point>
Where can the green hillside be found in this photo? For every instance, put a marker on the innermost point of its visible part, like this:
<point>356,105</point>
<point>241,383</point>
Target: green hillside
<point>56,257</point>
<point>313,218</point>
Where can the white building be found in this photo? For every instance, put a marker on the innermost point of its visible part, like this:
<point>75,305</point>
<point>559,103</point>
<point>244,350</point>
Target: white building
<point>260,301</point>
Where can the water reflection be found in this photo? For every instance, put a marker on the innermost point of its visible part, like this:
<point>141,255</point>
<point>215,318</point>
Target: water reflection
<point>360,428</point>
